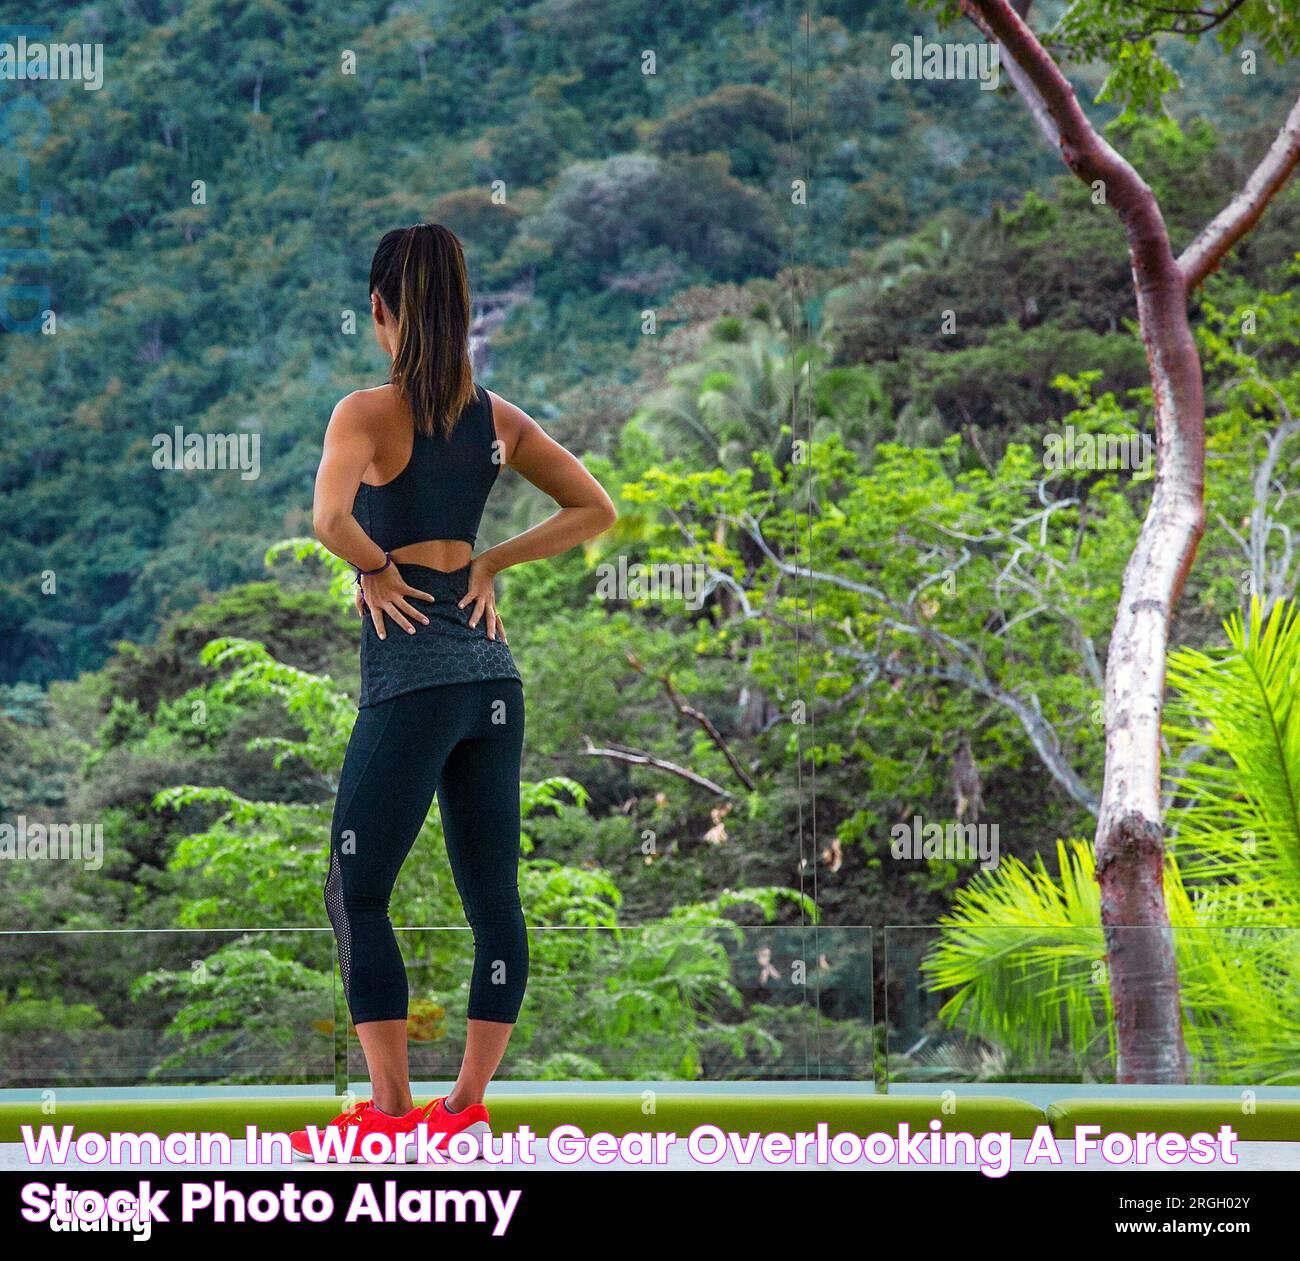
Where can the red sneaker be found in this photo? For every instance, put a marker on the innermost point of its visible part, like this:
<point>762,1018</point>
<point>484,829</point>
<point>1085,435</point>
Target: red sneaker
<point>473,1120</point>
<point>365,1119</point>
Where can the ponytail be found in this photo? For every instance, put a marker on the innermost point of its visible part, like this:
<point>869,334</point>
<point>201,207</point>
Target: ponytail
<point>419,272</point>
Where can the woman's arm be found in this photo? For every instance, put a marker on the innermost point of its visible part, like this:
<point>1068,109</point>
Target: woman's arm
<point>348,452</point>
<point>585,509</point>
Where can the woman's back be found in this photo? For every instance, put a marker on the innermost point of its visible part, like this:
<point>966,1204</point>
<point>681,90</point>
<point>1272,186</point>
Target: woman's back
<point>423,496</point>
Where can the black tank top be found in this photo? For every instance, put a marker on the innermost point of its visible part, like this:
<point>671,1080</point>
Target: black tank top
<point>441,492</point>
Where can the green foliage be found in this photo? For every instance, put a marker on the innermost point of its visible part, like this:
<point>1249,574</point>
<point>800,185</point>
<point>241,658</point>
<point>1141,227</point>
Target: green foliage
<point>1238,829</point>
<point>1021,950</point>
<point>1021,955</point>
<point>649,225</point>
<point>747,123</point>
<point>323,710</point>
<point>23,1015</point>
<point>236,1007</point>
<point>1132,41</point>
<point>915,557</point>
<point>1128,38</point>
<point>739,393</point>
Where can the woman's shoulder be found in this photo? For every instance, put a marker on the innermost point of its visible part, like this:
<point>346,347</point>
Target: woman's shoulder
<point>509,421</point>
<point>365,409</point>
<point>378,398</point>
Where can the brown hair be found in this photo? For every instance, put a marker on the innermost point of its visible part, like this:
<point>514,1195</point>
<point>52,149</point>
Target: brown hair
<point>419,272</point>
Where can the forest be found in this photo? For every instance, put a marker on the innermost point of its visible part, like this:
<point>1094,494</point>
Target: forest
<point>823,333</point>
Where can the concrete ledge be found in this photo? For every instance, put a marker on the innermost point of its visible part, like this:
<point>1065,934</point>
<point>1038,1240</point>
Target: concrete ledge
<point>615,1112</point>
<point>622,1111</point>
<point>1273,1120</point>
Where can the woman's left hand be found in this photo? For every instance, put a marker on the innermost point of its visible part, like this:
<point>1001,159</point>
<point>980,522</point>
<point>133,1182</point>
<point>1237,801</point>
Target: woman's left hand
<point>482,594</point>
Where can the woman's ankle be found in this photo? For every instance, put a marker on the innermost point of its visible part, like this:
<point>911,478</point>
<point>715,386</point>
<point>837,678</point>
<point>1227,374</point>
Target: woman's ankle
<point>393,1105</point>
<point>458,1103</point>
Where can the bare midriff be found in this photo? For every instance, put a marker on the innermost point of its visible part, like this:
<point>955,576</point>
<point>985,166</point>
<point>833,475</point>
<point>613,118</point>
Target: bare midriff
<point>445,554</point>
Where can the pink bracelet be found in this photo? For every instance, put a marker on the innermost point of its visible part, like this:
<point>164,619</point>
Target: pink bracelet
<point>366,573</point>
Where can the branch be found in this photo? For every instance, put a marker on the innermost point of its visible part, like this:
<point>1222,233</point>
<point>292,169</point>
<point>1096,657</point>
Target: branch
<point>1182,23</point>
<point>1019,79</point>
<point>1083,148</point>
<point>687,710</point>
<point>1242,213</point>
<point>755,532</point>
<point>715,578</point>
<point>1262,524</point>
<point>634,758</point>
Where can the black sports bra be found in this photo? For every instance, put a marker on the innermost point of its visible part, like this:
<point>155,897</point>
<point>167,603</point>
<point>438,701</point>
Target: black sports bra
<point>441,492</point>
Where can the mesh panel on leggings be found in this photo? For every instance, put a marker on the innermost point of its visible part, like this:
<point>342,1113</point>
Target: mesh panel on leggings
<point>339,919</point>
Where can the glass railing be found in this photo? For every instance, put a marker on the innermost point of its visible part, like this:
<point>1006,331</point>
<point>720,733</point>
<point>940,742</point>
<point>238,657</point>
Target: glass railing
<point>996,1004</point>
<point>679,1002</point>
<point>168,1007</point>
<point>661,1002</point>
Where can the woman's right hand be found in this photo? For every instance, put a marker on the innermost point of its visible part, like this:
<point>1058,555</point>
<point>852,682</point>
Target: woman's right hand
<point>388,593</point>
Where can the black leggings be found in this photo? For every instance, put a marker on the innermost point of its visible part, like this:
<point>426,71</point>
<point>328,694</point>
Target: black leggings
<point>462,740</point>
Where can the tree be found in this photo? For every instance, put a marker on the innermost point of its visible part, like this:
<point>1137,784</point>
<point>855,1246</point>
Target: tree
<point>1130,836</point>
<point>642,224</point>
<point>747,123</point>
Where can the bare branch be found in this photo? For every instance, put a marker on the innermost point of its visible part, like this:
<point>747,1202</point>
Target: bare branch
<point>715,578</point>
<point>687,710</point>
<point>634,758</point>
<point>1277,585</point>
<point>1021,81</point>
<point>1241,214</point>
<point>1182,20</point>
<point>755,532</point>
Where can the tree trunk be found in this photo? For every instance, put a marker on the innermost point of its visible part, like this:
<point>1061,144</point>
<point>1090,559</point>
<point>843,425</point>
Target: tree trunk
<point>1143,973</point>
<point>1130,833</point>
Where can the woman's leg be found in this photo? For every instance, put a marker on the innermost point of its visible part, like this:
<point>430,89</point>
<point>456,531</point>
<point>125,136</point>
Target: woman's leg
<point>390,772</point>
<point>478,796</point>
<point>384,1044</point>
<point>485,1046</point>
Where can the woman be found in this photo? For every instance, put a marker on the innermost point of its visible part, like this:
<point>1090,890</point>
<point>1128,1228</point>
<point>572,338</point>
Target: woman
<point>403,479</point>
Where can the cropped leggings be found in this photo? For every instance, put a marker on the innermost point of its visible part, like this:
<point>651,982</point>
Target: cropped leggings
<point>462,742</point>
